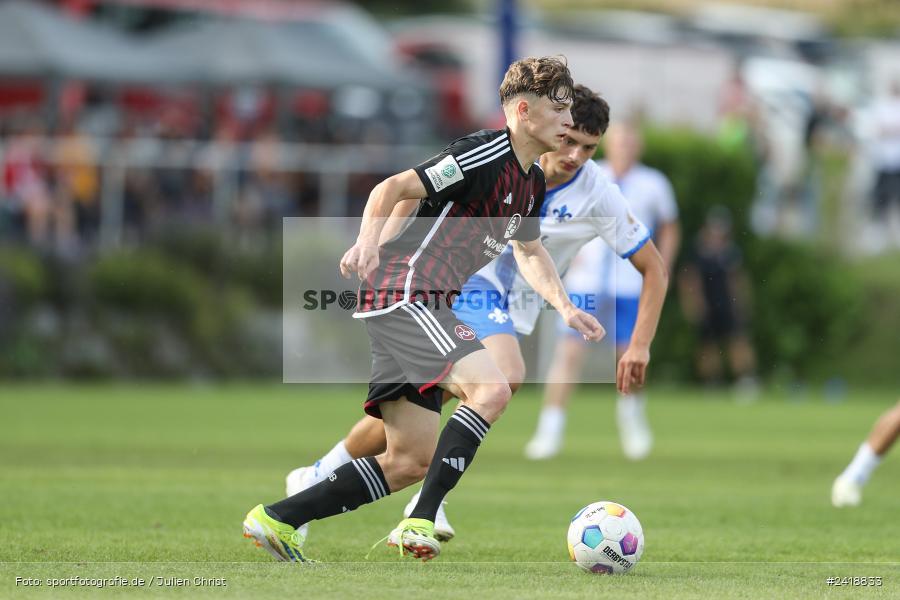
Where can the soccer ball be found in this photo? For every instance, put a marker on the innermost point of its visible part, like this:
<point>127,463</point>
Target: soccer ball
<point>606,538</point>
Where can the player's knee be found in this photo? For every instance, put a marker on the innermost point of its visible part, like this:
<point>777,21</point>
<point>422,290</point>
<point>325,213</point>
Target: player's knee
<point>515,376</point>
<point>514,372</point>
<point>407,469</point>
<point>413,469</point>
<point>492,399</point>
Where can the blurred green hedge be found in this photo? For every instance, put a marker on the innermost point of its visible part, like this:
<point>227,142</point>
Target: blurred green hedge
<point>156,311</point>
<point>26,275</point>
<point>807,304</point>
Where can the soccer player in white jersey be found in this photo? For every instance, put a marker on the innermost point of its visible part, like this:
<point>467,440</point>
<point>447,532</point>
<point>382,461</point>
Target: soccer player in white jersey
<point>847,488</point>
<point>581,205</point>
<point>598,273</point>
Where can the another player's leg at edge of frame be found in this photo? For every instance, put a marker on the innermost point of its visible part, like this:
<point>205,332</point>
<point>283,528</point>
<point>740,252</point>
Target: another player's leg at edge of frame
<point>367,436</point>
<point>848,487</point>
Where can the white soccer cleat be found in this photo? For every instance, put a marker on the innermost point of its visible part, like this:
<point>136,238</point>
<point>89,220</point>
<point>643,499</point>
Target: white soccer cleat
<point>845,492</point>
<point>542,448</point>
<point>443,531</point>
<point>296,481</point>
<point>634,431</point>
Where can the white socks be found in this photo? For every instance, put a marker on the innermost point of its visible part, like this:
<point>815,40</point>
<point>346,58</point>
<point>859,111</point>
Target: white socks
<point>551,423</point>
<point>862,465</point>
<point>336,457</point>
<point>630,406</point>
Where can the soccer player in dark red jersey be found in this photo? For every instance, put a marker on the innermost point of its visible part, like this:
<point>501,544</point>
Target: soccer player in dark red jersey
<point>481,193</point>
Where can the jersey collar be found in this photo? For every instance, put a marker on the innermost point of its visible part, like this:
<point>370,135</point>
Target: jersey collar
<point>550,192</point>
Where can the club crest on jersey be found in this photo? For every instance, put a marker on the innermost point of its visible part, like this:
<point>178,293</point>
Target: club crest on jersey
<point>562,213</point>
<point>530,203</point>
<point>513,225</point>
<point>464,332</point>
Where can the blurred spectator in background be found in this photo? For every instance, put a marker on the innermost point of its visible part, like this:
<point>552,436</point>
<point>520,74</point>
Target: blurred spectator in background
<point>715,293</point>
<point>174,180</point>
<point>267,196</point>
<point>26,185</point>
<point>140,190</point>
<point>847,488</point>
<point>78,182</point>
<point>823,122</point>
<point>737,113</point>
<point>887,152</point>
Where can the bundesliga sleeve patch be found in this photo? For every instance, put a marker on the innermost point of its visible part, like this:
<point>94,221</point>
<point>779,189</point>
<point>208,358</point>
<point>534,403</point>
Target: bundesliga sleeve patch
<point>444,174</point>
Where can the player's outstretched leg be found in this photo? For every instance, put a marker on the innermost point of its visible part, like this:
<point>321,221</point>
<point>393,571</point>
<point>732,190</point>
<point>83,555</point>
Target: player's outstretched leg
<point>409,450</point>
<point>278,526</point>
<point>366,438</point>
<point>504,350</point>
<point>411,434</point>
<point>486,393</point>
<point>847,488</point>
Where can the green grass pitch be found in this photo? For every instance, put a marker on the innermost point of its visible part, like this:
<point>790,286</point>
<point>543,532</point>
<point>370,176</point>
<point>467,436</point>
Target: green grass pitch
<point>150,481</point>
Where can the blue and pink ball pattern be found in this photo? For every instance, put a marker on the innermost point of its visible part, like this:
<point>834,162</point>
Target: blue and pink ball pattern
<point>605,538</point>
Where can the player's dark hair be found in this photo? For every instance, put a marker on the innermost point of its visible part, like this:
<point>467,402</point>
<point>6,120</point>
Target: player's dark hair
<point>545,77</point>
<point>590,112</point>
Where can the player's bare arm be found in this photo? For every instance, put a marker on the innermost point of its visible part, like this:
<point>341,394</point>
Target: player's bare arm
<point>403,210</point>
<point>632,368</point>
<point>538,270</point>
<point>362,258</point>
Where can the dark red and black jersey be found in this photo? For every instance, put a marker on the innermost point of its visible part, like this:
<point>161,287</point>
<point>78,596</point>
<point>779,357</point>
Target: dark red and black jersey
<point>479,198</point>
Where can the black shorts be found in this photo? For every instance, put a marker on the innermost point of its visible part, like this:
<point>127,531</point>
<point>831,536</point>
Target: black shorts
<point>719,325</point>
<point>413,349</point>
<point>887,190</point>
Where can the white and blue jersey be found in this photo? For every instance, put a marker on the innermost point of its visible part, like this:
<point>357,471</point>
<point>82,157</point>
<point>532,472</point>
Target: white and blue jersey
<point>498,300</point>
<point>597,272</point>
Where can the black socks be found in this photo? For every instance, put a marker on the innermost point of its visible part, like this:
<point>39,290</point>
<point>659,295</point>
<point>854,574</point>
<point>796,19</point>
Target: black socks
<point>350,486</point>
<point>454,453</point>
